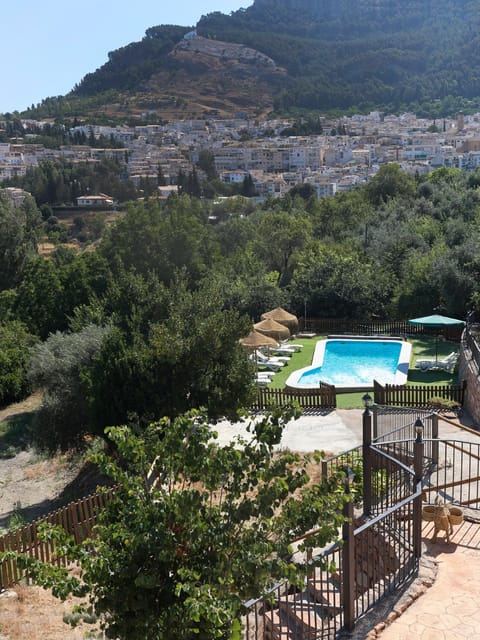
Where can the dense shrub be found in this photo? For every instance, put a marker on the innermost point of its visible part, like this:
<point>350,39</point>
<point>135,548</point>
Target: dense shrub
<point>57,368</point>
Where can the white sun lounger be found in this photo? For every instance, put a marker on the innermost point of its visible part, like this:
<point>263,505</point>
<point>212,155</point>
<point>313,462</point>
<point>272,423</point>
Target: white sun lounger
<point>273,366</point>
<point>447,364</point>
<point>283,351</point>
<point>292,345</point>
<point>263,357</point>
<point>266,374</point>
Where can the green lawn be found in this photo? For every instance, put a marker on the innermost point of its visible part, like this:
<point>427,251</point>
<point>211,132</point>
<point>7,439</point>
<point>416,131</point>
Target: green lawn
<point>422,347</point>
<point>298,360</point>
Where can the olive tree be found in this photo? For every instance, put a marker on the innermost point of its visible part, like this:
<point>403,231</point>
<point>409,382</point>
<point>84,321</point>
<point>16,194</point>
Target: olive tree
<point>57,368</point>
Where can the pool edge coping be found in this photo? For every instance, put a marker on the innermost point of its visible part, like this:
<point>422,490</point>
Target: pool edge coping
<point>401,375</point>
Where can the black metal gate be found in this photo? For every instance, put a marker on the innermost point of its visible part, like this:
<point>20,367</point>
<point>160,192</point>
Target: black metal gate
<point>403,463</point>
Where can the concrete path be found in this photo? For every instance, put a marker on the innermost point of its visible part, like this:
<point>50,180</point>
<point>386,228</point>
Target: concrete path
<point>334,432</point>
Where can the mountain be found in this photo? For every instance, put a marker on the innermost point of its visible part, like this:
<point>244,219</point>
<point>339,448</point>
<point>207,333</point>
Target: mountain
<point>284,54</point>
<point>341,53</point>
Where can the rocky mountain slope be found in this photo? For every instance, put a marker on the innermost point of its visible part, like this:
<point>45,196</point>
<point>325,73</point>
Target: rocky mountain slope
<point>290,54</point>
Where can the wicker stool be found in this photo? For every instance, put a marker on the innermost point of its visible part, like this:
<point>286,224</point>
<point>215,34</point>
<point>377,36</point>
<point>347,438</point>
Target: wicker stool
<point>444,517</point>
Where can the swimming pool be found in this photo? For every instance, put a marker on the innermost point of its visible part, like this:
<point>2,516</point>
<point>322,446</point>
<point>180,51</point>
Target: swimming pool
<point>354,363</point>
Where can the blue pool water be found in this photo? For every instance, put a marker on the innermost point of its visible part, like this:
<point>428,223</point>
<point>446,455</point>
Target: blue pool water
<point>354,363</point>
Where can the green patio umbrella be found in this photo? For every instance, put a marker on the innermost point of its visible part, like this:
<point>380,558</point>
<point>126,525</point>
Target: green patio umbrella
<point>439,322</point>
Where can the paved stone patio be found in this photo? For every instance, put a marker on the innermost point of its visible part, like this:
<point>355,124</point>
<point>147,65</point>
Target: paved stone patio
<point>443,602</point>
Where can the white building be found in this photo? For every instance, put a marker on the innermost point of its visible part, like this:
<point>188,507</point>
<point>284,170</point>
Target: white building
<point>101,200</point>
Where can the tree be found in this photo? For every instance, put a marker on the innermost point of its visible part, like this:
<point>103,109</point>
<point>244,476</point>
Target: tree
<point>52,288</point>
<point>390,182</point>
<point>247,287</point>
<point>38,300</point>
<point>279,236</point>
<point>193,187</point>
<point>61,182</point>
<point>178,552</point>
<point>191,358</point>
<point>305,190</point>
<point>19,232</point>
<point>234,234</point>
<point>161,180</point>
<point>248,187</point>
<point>206,162</point>
<point>15,347</point>
<point>342,216</point>
<point>165,352</point>
<point>57,368</point>
<point>159,239</point>
<point>340,282</point>
<point>418,291</point>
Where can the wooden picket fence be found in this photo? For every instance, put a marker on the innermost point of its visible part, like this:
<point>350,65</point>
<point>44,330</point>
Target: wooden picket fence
<point>472,343</point>
<point>378,328</point>
<point>77,518</point>
<point>358,327</point>
<point>417,395</point>
<point>322,397</point>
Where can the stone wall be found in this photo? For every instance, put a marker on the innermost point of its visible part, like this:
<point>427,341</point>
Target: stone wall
<point>468,370</point>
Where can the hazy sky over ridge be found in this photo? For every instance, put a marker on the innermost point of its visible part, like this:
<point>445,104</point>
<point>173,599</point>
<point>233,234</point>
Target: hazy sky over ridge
<point>47,46</point>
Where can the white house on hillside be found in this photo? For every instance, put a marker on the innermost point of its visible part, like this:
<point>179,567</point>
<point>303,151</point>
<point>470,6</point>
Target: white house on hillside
<point>95,201</point>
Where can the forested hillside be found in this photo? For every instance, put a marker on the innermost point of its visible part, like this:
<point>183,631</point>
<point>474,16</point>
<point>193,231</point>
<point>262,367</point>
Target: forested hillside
<point>130,66</point>
<point>420,55</point>
<point>348,52</point>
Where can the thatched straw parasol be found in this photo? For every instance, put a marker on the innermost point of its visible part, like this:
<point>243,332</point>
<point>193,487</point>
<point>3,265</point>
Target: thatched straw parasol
<point>270,327</point>
<point>255,340</point>
<point>283,317</point>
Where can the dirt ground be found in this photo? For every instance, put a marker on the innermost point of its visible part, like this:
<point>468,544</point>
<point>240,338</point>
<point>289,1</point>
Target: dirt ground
<point>32,613</point>
<point>29,487</point>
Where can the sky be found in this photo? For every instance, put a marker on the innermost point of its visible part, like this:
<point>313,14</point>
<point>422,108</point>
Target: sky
<point>47,46</point>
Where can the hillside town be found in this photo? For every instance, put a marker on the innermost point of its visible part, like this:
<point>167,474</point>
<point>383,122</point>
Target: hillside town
<point>348,152</point>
